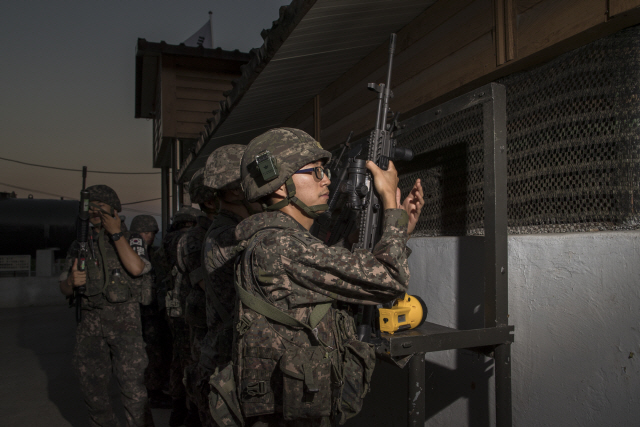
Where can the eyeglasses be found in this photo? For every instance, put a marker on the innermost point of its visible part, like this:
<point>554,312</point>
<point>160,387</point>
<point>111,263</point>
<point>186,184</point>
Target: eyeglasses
<point>319,172</point>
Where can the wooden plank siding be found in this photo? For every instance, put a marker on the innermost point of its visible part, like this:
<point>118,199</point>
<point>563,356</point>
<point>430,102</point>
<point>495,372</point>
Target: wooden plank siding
<point>456,45</point>
<point>192,89</point>
<point>168,97</point>
<point>617,7</point>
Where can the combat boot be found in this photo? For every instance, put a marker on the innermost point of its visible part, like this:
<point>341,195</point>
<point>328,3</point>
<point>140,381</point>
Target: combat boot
<point>159,400</point>
<point>193,416</point>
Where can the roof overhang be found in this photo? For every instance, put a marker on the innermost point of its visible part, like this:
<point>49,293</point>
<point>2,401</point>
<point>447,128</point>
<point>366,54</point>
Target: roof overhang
<point>312,44</point>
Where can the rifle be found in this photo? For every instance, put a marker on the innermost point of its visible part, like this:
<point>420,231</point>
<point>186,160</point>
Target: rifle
<point>82,236</point>
<point>361,194</point>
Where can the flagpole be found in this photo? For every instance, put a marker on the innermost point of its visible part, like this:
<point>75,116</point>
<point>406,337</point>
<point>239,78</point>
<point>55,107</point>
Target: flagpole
<point>211,27</point>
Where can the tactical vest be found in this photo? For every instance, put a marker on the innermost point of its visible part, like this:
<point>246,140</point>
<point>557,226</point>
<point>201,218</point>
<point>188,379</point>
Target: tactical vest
<point>195,302</point>
<point>177,288</point>
<point>219,340</point>
<point>108,282</point>
<point>305,377</point>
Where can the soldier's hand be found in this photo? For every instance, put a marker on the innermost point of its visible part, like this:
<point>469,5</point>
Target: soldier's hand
<point>77,277</point>
<point>111,224</point>
<point>386,183</point>
<point>413,204</point>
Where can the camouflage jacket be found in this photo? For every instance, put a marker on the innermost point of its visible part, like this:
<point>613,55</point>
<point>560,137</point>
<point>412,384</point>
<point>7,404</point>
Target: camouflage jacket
<point>189,254</point>
<point>170,250</point>
<point>122,287</point>
<point>154,277</point>
<point>295,272</point>
<point>219,252</point>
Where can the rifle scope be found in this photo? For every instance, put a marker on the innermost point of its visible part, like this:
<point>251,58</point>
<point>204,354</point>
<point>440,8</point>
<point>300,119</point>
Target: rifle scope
<point>356,185</point>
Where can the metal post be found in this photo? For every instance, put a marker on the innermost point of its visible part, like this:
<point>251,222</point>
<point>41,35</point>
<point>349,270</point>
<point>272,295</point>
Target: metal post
<point>417,404</point>
<point>496,244</point>
<point>502,357</point>
<point>166,198</point>
<point>495,209</point>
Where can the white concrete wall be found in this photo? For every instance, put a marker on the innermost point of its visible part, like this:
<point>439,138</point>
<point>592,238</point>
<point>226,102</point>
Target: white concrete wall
<point>30,291</point>
<point>575,302</point>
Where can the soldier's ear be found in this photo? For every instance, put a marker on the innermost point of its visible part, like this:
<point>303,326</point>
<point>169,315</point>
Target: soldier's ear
<point>281,192</point>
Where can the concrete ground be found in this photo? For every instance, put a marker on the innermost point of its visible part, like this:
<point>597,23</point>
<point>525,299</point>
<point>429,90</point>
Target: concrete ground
<point>37,384</point>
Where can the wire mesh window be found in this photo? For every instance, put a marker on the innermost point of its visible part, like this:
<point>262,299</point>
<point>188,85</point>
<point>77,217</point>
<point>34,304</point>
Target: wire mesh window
<point>573,142</point>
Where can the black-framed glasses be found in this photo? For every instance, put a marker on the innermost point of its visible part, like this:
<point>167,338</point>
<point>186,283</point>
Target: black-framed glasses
<point>319,172</point>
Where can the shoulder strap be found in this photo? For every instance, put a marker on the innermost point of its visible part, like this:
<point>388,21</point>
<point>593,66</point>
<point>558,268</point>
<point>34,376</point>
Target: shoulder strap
<point>259,305</point>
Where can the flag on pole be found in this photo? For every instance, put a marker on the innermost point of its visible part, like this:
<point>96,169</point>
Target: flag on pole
<point>203,37</point>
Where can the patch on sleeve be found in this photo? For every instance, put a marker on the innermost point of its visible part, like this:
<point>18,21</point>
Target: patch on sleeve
<point>306,239</point>
<point>135,241</point>
<point>140,251</point>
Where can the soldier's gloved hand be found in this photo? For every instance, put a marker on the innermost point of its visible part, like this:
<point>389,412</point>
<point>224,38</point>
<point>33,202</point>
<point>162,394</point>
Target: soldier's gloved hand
<point>111,224</point>
<point>77,278</point>
<point>386,183</point>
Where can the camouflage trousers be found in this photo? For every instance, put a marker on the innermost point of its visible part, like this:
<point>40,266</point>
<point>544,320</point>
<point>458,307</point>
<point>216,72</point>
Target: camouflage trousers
<point>157,338</point>
<point>196,379</point>
<point>196,335</point>
<point>276,420</point>
<point>181,356</point>
<point>109,342</point>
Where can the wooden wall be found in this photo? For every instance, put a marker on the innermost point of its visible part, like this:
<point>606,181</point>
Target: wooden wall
<point>191,90</point>
<point>457,45</point>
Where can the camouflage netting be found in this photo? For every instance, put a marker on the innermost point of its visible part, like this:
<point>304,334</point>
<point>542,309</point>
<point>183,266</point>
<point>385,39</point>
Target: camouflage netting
<point>573,148</point>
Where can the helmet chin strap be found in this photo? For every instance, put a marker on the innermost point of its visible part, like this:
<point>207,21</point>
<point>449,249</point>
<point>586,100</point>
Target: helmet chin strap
<point>247,205</point>
<point>310,211</point>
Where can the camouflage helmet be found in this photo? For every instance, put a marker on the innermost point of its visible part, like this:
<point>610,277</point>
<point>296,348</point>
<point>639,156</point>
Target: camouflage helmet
<point>287,149</point>
<point>198,192</point>
<point>104,194</point>
<point>186,214</point>
<point>222,171</point>
<point>143,224</point>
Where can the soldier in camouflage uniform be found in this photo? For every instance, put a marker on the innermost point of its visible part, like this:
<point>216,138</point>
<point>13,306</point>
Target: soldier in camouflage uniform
<point>222,174</point>
<point>189,264</point>
<point>155,329</point>
<point>297,359</point>
<point>109,335</point>
<point>175,301</point>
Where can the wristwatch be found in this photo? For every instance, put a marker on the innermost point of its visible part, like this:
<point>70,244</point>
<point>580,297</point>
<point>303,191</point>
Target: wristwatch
<point>116,236</point>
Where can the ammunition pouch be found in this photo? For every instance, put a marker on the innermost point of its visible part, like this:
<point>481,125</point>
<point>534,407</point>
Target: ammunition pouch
<point>354,369</point>
<point>172,304</point>
<point>358,362</point>
<point>172,299</point>
<point>306,391</point>
<point>95,280</point>
<point>223,401</point>
<point>117,290</point>
<point>259,365</point>
<point>146,289</point>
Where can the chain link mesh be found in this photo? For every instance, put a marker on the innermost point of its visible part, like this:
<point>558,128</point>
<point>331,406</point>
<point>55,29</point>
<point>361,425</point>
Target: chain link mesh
<point>573,148</point>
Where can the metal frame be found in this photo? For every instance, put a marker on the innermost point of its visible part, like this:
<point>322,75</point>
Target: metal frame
<point>496,337</point>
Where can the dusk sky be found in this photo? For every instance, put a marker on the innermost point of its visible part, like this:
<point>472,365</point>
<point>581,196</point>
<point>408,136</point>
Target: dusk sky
<point>68,87</point>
